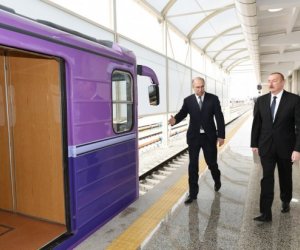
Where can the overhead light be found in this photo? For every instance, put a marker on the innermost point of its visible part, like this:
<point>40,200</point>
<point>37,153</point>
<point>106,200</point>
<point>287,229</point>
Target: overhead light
<point>275,10</point>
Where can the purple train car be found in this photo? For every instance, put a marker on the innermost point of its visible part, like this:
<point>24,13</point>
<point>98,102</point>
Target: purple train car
<point>68,133</point>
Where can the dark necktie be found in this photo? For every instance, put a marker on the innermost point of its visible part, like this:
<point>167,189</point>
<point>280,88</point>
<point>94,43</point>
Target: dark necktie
<point>200,102</point>
<point>273,105</point>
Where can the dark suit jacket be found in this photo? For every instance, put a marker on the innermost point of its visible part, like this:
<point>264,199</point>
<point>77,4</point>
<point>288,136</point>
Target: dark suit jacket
<point>284,132</point>
<point>210,108</point>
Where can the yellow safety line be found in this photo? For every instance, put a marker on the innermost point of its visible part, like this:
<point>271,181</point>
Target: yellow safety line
<point>142,227</point>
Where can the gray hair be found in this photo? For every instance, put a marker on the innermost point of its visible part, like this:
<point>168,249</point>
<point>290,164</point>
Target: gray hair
<point>198,78</point>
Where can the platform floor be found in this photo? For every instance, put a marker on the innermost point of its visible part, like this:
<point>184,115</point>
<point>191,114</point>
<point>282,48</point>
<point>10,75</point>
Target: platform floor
<point>223,220</point>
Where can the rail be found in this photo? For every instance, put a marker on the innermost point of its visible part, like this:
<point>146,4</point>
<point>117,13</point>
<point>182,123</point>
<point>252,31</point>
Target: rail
<point>150,177</point>
<point>152,133</point>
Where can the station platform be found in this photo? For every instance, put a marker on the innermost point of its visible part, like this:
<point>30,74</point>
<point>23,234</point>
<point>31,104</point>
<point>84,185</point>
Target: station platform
<point>216,220</point>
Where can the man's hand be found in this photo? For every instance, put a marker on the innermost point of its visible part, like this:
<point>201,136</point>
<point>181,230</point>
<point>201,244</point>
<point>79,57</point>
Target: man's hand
<point>221,141</point>
<point>295,156</point>
<point>172,120</point>
<point>255,150</point>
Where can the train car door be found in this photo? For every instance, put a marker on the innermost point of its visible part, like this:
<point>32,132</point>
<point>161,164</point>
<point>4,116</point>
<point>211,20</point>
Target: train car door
<point>32,207</point>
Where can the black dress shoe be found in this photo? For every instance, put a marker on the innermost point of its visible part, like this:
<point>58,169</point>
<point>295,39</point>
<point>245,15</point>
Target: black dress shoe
<point>285,207</point>
<point>217,186</point>
<point>189,200</point>
<point>263,218</point>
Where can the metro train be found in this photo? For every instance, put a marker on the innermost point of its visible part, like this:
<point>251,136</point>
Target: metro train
<point>68,132</point>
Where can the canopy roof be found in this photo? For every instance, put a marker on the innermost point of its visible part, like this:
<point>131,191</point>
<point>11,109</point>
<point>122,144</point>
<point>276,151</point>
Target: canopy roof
<point>238,35</point>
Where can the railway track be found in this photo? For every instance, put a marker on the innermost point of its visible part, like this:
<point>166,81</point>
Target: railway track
<point>153,176</point>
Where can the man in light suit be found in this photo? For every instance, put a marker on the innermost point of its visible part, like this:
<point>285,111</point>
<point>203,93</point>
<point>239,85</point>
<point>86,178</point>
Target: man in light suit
<point>275,137</point>
<point>202,107</point>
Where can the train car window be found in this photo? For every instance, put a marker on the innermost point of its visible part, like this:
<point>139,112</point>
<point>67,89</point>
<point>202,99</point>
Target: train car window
<point>122,101</point>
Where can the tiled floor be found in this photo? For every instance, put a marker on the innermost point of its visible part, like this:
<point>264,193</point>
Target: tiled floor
<point>224,220</point>
<point>221,220</point>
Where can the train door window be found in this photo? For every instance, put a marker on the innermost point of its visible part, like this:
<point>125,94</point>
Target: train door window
<point>122,101</point>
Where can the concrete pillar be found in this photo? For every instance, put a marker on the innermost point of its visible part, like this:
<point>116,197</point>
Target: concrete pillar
<point>288,83</point>
<point>294,87</point>
<point>298,83</point>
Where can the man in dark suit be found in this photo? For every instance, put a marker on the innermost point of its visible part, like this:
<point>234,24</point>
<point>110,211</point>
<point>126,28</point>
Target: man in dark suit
<point>202,107</point>
<point>275,137</point>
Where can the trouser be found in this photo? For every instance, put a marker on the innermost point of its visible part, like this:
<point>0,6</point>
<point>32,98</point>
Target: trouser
<point>284,166</point>
<point>210,155</point>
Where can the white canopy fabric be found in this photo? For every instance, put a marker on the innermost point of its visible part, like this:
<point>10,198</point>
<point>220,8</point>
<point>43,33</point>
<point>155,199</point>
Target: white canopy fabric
<point>238,34</point>
<point>211,25</point>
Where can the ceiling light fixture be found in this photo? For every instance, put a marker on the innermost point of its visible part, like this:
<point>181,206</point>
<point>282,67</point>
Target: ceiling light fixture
<point>275,10</point>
